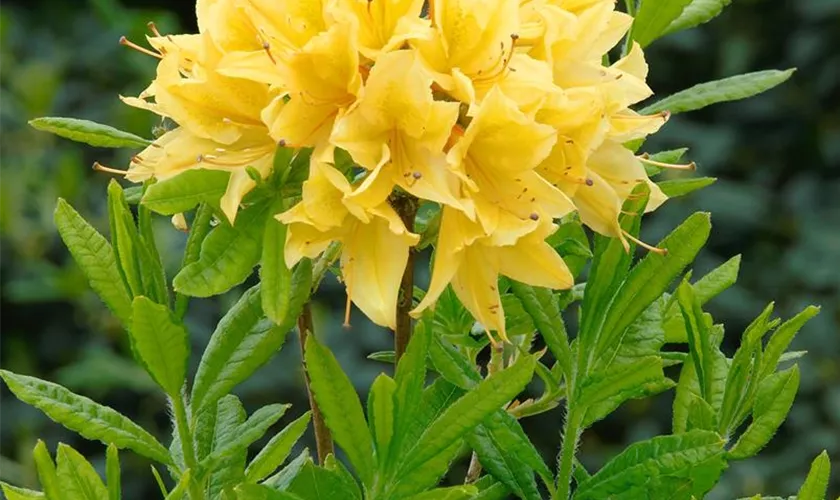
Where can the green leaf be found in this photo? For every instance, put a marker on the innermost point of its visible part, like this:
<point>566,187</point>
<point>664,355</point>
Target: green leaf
<point>649,279</point>
<point>186,190</point>
<point>350,486</point>
<point>243,341</point>
<point>180,489</point>
<point>660,456</point>
<point>701,415</point>
<point>159,480</point>
<point>154,275</point>
<point>230,416</point>
<point>78,413</point>
<point>161,344</point>
<point>452,364</point>
<point>816,484</point>
<point>644,337</point>
<point>16,493</point>
<point>699,343</point>
<point>46,471</point>
<point>78,479</point>
<point>246,433</point>
<point>674,188</point>
<point>317,483</point>
<point>772,404</point>
<point>727,89</point>
<point>124,239</point>
<point>499,450</point>
<point>340,405</point>
<point>428,475</point>
<point>287,474</point>
<point>781,339</point>
<point>96,258</point>
<point>542,306</point>
<point>201,226</point>
<point>603,391</point>
<point>696,13</point>
<point>380,414</point>
<point>88,132</point>
<point>228,255</point>
<point>468,411</point>
<point>410,379</point>
<point>653,19</point>
<point>275,276</point>
<point>463,492</point>
<point>497,491</point>
<point>688,389</point>
<point>112,472</point>
<point>262,492</point>
<point>277,450</point>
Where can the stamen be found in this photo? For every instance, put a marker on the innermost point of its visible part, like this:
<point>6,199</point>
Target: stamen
<point>645,158</point>
<point>153,28</point>
<point>534,216</point>
<point>128,43</point>
<point>347,313</point>
<point>660,251</point>
<point>505,60</point>
<point>102,168</point>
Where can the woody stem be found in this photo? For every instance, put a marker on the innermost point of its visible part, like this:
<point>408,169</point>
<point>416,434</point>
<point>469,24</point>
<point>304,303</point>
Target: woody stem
<point>323,438</point>
<point>406,207</point>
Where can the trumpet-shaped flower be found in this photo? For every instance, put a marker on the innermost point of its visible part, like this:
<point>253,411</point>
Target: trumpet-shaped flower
<point>496,158</point>
<point>383,25</point>
<point>398,132</point>
<point>322,81</point>
<point>472,263</point>
<point>375,241</point>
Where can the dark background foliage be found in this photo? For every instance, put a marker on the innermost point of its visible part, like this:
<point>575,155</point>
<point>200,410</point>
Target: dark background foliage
<point>777,202</point>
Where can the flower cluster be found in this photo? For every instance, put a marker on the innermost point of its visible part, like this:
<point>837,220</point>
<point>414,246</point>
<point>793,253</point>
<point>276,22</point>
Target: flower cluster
<point>501,112</point>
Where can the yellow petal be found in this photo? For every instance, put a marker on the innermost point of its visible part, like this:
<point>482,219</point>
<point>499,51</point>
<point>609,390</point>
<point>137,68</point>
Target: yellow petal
<point>476,283</point>
<point>531,260</point>
<point>304,240</point>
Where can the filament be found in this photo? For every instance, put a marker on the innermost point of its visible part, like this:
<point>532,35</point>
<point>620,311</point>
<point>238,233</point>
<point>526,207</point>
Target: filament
<point>128,43</point>
<point>660,251</point>
<point>645,158</point>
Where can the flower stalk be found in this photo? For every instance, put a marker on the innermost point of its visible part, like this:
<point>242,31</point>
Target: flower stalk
<point>406,208</point>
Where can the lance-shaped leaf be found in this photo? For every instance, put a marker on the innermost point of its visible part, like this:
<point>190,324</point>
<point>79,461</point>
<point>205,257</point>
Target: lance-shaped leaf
<point>699,342</point>
<point>696,13</point>
<point>228,255</point>
<point>124,239</point>
<point>80,414</point>
<point>277,450</point>
<point>262,492</point>
<point>452,364</point>
<point>160,344</point>
<point>243,341</point>
<point>186,190</point>
<point>46,471</point>
<point>464,492</point>
<point>88,132</point>
<point>816,483</point>
<point>77,477</point>
<point>654,17</point>
<point>112,472</point>
<point>781,339</point>
<point>380,415</point>
<point>728,89</point>
<point>238,438</point>
<point>410,378</point>
<point>499,450</point>
<point>340,405</point>
<point>318,483</point>
<point>230,415</point>
<point>679,455</point>
<point>469,410</point>
<point>275,277</point>
<point>180,490</point>
<point>649,279</point>
<point>95,256</point>
<point>17,493</point>
<point>542,306</point>
<point>772,404</point>
<point>674,188</point>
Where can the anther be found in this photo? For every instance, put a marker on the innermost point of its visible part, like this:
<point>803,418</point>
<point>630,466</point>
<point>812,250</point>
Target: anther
<point>347,313</point>
<point>417,175</point>
<point>153,28</point>
<point>534,216</point>
<point>281,143</point>
<point>128,43</point>
<point>589,182</point>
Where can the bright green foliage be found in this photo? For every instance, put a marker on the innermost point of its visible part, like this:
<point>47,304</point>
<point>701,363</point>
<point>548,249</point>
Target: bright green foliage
<point>654,17</point>
<point>76,477</point>
<point>80,414</point>
<point>15,493</point>
<point>88,132</point>
<point>816,483</point>
<point>729,89</point>
<point>186,190</point>
<point>277,450</point>
<point>697,12</point>
<point>112,472</point>
<point>160,344</point>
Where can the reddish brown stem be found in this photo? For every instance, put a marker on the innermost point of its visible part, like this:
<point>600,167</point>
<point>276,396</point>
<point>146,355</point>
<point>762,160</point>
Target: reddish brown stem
<point>323,438</point>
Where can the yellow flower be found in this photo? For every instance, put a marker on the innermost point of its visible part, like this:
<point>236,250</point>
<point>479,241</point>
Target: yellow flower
<point>218,117</point>
<point>472,263</point>
<point>398,132</point>
<point>384,25</point>
<point>472,50</point>
<point>322,80</point>
<point>496,157</point>
<point>375,241</point>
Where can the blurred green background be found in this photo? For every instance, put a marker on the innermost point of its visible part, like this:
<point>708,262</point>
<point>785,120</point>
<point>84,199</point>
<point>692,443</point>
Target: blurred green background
<point>777,202</point>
